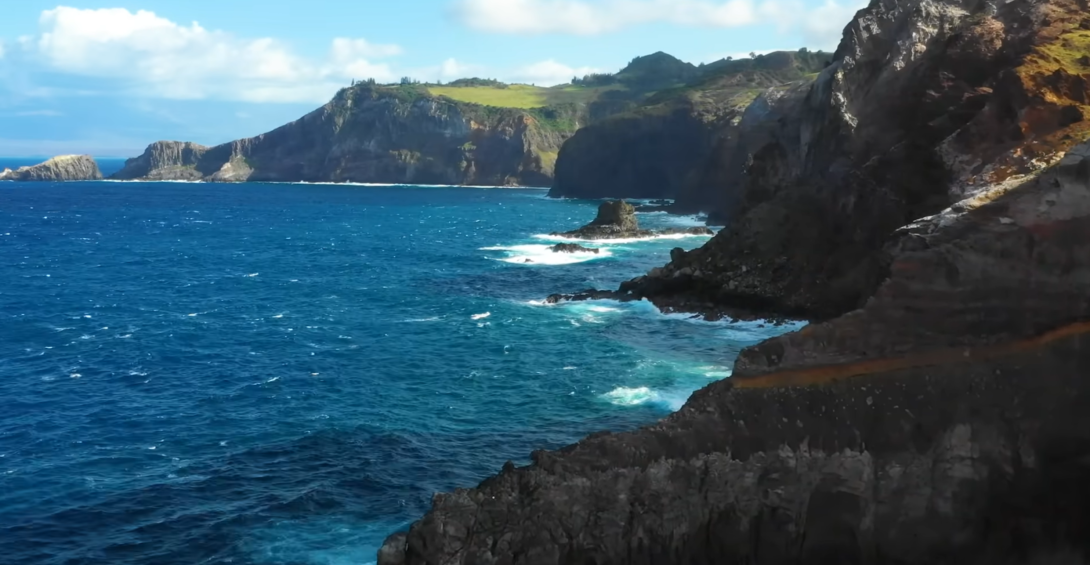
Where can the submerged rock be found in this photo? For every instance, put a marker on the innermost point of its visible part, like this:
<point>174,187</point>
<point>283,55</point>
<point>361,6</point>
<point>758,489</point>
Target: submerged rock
<point>573,248</point>
<point>60,168</point>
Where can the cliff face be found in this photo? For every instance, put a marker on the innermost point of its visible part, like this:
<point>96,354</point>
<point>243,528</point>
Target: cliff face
<point>661,147</point>
<point>927,102</point>
<point>945,420</point>
<point>378,134</point>
<point>60,168</point>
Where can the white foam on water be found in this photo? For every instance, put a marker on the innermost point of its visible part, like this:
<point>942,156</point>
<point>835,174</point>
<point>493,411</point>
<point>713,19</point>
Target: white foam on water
<point>252,275</point>
<point>422,320</point>
<point>481,316</point>
<point>620,240</point>
<point>624,396</point>
<point>539,254</point>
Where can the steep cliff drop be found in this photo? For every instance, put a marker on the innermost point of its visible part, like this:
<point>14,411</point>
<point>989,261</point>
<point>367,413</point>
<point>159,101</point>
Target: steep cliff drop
<point>659,148</point>
<point>945,418</point>
<point>371,133</point>
<point>60,168</point>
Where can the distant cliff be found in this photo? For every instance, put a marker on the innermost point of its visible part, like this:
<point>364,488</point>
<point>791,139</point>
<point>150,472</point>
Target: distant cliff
<point>661,147</point>
<point>60,168</point>
<point>370,133</point>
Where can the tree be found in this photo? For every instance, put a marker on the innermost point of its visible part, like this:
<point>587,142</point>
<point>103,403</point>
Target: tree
<point>752,54</point>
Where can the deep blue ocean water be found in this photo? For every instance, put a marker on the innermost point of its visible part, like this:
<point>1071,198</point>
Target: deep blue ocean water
<point>285,374</point>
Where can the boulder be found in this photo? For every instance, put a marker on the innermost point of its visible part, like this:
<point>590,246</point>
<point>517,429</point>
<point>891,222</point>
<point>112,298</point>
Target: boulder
<point>572,248</point>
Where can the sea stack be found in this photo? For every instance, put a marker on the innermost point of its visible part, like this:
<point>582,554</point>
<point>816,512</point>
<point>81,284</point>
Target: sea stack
<point>616,219</point>
<point>60,168</point>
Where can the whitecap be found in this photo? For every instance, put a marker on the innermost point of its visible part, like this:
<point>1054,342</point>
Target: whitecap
<point>251,275</point>
<point>272,380</point>
<point>668,236</point>
<point>672,400</point>
<point>570,368</point>
<point>624,396</point>
<point>278,316</point>
<point>481,316</point>
<point>192,315</point>
<point>538,254</point>
<point>75,375</point>
<point>419,320</point>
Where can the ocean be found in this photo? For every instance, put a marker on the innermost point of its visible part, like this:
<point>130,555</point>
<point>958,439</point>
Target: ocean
<point>285,374</point>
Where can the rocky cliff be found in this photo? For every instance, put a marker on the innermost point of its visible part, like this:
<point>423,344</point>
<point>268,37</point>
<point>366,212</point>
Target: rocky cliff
<point>60,168</point>
<point>940,415</point>
<point>370,133</point>
<point>660,147</point>
<point>926,102</point>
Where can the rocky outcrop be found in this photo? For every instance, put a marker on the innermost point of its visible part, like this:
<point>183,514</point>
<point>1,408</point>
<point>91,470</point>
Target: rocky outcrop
<point>371,133</point>
<point>616,219</point>
<point>926,102</point>
<point>945,422</point>
<point>940,415</point>
<point>573,248</point>
<point>60,168</point>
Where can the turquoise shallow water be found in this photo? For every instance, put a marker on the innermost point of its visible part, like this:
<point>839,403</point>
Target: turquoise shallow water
<point>275,374</point>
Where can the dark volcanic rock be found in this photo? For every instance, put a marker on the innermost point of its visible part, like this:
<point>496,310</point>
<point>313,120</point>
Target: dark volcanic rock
<point>617,220</point>
<point>922,107</point>
<point>572,248</point>
<point>948,422</point>
<point>61,168</point>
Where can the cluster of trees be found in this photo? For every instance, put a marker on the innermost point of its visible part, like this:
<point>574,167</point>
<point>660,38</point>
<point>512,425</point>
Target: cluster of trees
<point>475,81</point>
<point>595,79</point>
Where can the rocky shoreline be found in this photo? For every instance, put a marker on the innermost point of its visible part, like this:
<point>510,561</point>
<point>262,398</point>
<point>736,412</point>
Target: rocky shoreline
<point>926,201</point>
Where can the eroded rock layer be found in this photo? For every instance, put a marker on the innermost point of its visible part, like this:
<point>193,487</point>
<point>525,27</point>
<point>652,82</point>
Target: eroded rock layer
<point>945,422</point>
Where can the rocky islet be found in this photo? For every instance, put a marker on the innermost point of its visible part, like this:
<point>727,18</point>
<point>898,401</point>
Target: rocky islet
<point>60,168</point>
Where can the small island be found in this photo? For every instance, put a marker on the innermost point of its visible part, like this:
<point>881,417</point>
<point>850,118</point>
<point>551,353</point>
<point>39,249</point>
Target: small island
<point>60,168</point>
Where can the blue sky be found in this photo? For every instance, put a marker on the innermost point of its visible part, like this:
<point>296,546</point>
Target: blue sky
<point>108,77</point>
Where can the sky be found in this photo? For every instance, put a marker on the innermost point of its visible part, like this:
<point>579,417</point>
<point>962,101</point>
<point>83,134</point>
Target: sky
<point>108,77</point>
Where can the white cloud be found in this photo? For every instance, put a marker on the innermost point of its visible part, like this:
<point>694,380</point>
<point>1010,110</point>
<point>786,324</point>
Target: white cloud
<point>594,17</point>
<point>549,73</point>
<point>582,17</point>
<point>39,113</point>
<point>171,60</point>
